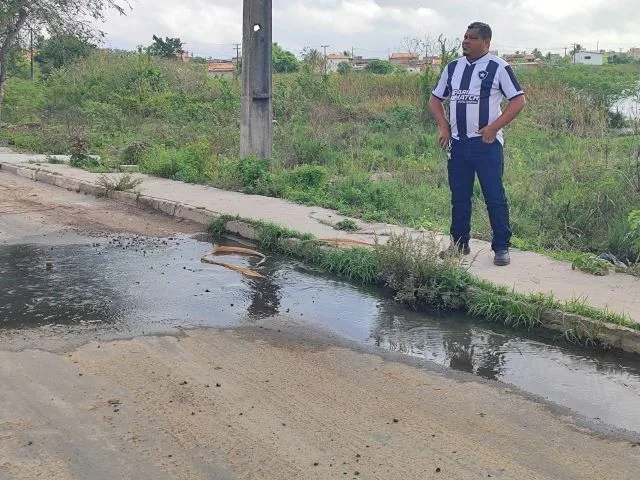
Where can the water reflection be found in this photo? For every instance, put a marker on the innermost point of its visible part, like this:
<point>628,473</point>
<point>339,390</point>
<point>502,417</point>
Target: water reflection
<point>31,294</point>
<point>264,295</point>
<point>453,344</point>
<point>603,385</point>
<point>596,384</point>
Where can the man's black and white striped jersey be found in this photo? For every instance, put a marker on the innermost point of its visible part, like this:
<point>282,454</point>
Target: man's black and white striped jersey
<point>475,90</point>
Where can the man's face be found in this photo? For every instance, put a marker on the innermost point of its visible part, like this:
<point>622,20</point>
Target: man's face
<point>473,46</point>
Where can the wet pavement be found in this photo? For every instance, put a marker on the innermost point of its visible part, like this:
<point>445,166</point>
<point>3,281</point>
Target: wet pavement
<point>128,285</point>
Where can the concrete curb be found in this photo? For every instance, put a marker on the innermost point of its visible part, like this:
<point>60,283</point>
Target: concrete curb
<point>168,207</point>
<point>606,334</point>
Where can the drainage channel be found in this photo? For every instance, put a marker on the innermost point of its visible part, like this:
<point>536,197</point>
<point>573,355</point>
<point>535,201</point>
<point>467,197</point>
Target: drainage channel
<point>129,285</point>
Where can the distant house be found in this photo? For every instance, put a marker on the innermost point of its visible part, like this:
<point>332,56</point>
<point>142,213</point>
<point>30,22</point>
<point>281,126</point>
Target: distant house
<point>433,63</point>
<point>360,63</point>
<point>523,57</point>
<point>221,69</point>
<point>586,57</point>
<point>634,52</point>
<point>411,61</point>
<point>335,59</point>
<point>416,68</point>
<point>404,58</point>
<point>527,65</point>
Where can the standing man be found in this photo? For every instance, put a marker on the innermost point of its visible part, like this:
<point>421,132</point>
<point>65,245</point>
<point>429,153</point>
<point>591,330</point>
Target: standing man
<point>475,85</point>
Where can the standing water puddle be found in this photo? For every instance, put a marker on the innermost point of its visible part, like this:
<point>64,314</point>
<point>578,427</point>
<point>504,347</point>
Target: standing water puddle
<point>134,284</point>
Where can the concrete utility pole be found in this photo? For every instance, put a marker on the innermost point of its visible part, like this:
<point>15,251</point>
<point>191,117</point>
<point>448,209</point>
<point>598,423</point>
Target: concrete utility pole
<point>31,53</point>
<point>237,47</point>
<point>237,67</point>
<point>256,130</point>
<point>325,57</point>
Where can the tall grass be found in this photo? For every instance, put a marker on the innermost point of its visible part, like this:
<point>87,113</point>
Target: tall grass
<point>359,143</point>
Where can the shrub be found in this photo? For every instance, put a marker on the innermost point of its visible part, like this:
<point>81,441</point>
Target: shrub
<point>253,173</point>
<point>187,163</point>
<point>309,176</point>
<point>347,225</point>
<point>134,152</point>
<point>634,229</point>
<point>411,267</point>
<point>122,183</point>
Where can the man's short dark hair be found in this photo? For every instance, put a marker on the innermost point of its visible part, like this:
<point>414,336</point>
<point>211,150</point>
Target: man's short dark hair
<point>484,30</point>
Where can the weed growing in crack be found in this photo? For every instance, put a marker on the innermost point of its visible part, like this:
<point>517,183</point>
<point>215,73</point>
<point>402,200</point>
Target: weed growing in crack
<point>123,183</point>
<point>346,225</point>
<point>410,265</point>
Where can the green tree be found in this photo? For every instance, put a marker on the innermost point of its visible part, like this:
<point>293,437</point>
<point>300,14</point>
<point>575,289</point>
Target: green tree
<point>167,48</point>
<point>313,60</point>
<point>399,70</point>
<point>576,48</point>
<point>283,60</point>
<point>379,67</point>
<point>621,59</point>
<point>17,63</point>
<point>537,53</point>
<point>344,68</point>
<point>50,16</point>
<point>448,50</point>
<point>56,51</point>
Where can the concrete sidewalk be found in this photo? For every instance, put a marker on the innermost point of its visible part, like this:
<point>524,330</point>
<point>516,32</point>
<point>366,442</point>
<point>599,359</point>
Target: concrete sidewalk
<point>528,273</point>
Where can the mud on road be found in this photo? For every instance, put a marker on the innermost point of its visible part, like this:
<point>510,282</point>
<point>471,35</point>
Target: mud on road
<point>276,401</point>
<point>30,208</point>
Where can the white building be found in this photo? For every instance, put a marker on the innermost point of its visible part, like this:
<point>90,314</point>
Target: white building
<point>585,57</point>
<point>335,59</point>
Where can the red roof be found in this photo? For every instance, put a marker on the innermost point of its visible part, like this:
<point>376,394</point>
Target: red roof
<point>405,55</point>
<point>220,67</point>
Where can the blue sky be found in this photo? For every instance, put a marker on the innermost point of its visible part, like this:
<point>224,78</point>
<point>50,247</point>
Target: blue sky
<point>373,28</point>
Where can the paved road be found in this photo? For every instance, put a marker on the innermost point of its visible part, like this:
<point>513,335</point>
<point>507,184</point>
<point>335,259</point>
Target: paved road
<point>275,401</point>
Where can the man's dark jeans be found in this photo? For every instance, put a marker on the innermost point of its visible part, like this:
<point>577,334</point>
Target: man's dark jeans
<point>470,158</point>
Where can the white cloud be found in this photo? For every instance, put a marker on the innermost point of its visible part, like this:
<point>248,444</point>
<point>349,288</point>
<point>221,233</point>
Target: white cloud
<point>373,27</point>
<point>198,23</point>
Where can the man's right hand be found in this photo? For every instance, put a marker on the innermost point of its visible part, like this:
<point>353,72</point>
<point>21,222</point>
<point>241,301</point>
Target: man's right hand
<point>444,138</point>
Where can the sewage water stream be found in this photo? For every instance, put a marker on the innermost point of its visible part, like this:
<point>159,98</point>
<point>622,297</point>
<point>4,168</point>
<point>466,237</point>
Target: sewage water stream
<point>131,285</point>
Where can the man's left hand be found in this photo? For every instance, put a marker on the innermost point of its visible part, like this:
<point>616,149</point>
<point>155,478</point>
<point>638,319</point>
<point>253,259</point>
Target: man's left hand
<point>488,134</point>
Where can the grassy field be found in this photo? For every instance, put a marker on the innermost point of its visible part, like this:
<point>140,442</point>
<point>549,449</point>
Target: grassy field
<point>362,144</point>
